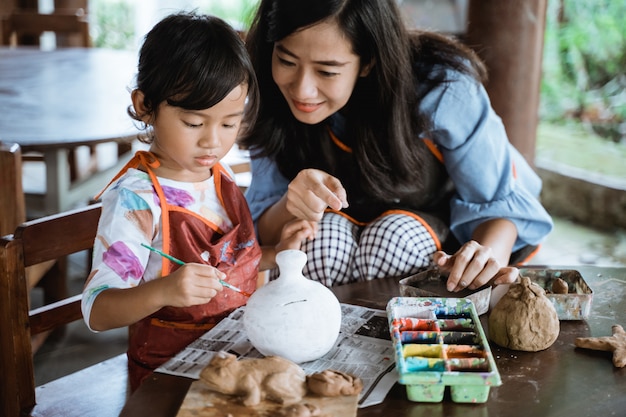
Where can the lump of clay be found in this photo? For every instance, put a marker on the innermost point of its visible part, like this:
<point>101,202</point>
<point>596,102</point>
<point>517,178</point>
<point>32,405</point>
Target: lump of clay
<point>524,319</point>
<point>559,286</point>
<point>330,383</point>
<point>272,378</point>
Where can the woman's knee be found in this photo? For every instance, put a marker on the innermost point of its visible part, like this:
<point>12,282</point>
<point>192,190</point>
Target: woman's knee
<point>331,253</point>
<point>394,245</point>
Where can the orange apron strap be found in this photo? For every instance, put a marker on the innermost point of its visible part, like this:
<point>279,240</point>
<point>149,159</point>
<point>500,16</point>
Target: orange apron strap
<point>140,158</point>
<point>218,171</point>
<point>434,149</point>
<point>394,211</point>
<point>341,213</point>
<point>166,265</point>
<point>339,143</point>
<point>429,143</point>
<point>419,219</point>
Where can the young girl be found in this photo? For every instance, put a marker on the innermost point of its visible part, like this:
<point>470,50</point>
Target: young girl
<point>194,78</point>
<point>388,140</point>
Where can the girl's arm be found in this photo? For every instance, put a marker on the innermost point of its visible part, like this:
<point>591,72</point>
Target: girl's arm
<point>293,233</point>
<point>191,284</point>
<point>270,223</point>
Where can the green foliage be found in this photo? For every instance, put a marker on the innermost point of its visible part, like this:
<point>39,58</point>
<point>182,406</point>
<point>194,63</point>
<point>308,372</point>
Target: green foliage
<point>236,12</point>
<point>113,21</point>
<point>113,26</point>
<point>584,64</point>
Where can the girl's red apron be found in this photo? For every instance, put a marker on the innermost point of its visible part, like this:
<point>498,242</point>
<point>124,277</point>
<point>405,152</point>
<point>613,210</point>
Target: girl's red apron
<point>186,235</point>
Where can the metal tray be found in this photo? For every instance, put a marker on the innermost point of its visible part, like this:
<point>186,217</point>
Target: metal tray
<point>432,283</point>
<point>576,304</point>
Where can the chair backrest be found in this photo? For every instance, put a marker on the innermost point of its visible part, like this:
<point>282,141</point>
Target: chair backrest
<point>11,193</point>
<point>25,27</point>
<point>34,242</point>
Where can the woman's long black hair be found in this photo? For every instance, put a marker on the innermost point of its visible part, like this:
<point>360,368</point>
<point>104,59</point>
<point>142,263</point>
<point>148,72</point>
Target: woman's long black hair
<point>381,113</point>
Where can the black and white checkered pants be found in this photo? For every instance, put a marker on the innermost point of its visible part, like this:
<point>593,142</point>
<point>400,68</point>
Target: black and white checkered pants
<point>342,252</point>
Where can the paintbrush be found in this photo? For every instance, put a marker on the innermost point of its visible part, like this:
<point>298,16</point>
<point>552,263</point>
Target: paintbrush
<point>179,262</point>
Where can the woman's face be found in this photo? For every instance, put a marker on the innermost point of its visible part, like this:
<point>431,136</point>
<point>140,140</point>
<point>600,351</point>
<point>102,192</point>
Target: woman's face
<point>316,71</point>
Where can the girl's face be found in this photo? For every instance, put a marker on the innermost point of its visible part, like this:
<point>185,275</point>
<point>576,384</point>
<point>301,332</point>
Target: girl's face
<point>188,143</point>
<point>316,71</point>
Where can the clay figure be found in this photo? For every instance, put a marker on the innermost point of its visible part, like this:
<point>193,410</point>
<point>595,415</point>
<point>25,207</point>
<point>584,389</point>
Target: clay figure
<point>615,344</point>
<point>331,383</point>
<point>272,378</point>
<point>524,318</point>
<point>301,410</point>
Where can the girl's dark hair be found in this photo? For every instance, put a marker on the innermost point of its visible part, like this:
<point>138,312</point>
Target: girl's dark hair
<point>193,61</point>
<point>382,116</point>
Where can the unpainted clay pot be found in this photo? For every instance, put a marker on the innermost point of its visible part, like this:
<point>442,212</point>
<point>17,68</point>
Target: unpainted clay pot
<point>292,316</point>
<point>524,318</point>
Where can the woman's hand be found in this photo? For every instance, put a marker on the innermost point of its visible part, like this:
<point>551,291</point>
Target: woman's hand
<point>473,266</point>
<point>311,192</point>
<point>191,284</point>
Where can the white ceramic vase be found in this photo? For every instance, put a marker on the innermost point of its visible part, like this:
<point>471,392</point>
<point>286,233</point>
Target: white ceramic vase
<point>292,316</point>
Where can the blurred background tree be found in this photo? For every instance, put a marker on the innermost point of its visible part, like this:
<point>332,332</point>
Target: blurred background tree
<point>584,78</point>
<point>121,24</point>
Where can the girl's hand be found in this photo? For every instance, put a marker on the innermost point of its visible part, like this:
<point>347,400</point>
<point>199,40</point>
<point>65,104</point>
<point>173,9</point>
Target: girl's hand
<point>311,192</point>
<point>294,233</point>
<point>192,284</point>
<point>473,266</point>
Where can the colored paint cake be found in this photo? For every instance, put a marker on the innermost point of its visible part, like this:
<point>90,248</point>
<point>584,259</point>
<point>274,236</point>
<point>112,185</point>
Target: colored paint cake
<point>439,343</point>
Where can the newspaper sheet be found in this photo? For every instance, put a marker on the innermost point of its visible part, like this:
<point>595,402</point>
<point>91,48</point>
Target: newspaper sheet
<point>363,349</point>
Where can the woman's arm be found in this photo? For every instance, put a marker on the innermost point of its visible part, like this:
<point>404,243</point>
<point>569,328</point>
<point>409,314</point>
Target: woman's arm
<point>492,180</point>
<point>270,224</point>
<point>499,235</point>
<point>496,208</point>
<point>307,196</point>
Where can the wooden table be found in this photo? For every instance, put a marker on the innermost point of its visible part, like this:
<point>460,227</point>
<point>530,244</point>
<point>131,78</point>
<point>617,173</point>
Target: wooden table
<point>560,381</point>
<point>54,101</point>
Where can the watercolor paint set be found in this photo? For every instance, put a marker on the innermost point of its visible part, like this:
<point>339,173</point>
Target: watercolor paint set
<point>439,343</point>
<point>576,304</point>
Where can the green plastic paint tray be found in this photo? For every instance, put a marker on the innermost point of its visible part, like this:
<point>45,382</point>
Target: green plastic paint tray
<point>439,343</point>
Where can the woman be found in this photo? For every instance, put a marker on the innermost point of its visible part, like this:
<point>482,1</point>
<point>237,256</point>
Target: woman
<point>387,141</point>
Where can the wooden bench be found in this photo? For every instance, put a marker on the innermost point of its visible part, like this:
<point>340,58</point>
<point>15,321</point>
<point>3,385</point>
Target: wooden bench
<point>97,390</point>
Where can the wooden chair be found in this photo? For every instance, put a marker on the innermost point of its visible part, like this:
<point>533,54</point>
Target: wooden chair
<point>48,275</point>
<point>11,192</point>
<point>24,27</point>
<point>103,387</point>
